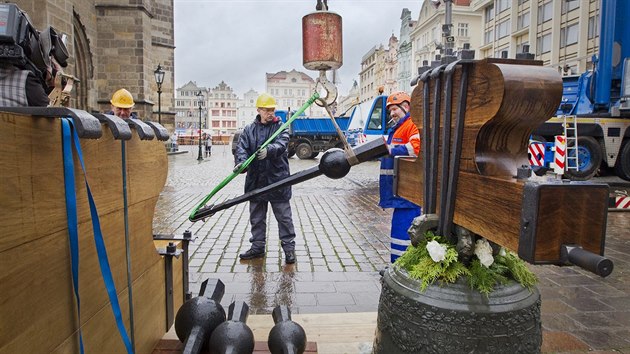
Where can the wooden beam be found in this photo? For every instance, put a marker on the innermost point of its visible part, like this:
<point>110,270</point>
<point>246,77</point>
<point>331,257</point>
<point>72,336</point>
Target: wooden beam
<point>505,101</point>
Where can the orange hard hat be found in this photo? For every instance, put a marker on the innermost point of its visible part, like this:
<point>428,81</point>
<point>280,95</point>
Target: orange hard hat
<point>397,98</point>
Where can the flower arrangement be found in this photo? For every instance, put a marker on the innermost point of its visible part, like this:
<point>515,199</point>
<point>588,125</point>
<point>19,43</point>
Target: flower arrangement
<point>436,259</point>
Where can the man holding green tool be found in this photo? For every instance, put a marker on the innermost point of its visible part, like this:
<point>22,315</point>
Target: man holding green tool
<point>271,165</point>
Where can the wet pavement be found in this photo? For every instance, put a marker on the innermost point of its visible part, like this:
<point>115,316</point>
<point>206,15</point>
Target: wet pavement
<point>342,241</point>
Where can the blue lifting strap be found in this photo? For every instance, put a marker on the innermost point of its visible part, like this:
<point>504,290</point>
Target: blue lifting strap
<point>71,214</point>
<point>68,133</point>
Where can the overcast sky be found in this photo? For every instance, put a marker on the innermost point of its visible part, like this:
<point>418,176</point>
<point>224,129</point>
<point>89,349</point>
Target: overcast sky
<point>238,41</point>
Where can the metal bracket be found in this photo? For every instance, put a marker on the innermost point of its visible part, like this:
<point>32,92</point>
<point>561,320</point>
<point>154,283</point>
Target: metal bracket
<point>168,253</point>
<point>186,238</point>
<point>88,127</point>
<point>145,132</point>
<point>160,132</point>
<point>119,128</point>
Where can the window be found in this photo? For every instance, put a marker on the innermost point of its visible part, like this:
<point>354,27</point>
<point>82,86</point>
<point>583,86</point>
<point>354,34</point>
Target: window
<point>488,37</point>
<point>503,5</point>
<point>375,119</point>
<point>522,21</point>
<point>568,5</point>
<point>545,12</point>
<point>569,35</point>
<point>593,26</point>
<point>503,29</point>
<point>489,13</point>
<point>544,44</point>
<point>519,47</point>
<point>462,30</point>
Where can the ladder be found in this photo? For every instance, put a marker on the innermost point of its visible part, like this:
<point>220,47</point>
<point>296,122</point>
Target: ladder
<point>570,133</point>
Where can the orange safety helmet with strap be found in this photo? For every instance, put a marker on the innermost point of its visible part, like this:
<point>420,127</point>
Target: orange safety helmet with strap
<point>397,98</point>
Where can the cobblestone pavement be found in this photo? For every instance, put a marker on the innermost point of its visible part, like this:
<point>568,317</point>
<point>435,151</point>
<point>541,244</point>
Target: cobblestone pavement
<point>343,241</point>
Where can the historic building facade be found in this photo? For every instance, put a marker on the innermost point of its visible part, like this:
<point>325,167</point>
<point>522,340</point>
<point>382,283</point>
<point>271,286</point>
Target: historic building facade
<point>379,71</point>
<point>427,39</point>
<point>292,89</point>
<point>404,65</point>
<point>188,99</point>
<point>563,34</point>
<point>114,44</point>
<point>247,108</point>
<point>223,109</point>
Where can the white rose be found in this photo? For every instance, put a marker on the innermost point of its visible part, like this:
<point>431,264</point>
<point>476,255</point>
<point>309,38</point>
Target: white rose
<point>483,251</point>
<point>437,251</point>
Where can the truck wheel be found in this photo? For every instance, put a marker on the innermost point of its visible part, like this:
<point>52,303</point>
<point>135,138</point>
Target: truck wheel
<point>314,154</point>
<point>304,151</point>
<point>589,158</point>
<point>622,166</point>
<point>291,152</point>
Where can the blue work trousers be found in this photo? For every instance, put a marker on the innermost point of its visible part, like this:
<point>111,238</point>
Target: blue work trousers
<point>401,221</point>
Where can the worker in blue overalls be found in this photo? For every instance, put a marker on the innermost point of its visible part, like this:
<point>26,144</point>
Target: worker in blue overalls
<point>403,139</point>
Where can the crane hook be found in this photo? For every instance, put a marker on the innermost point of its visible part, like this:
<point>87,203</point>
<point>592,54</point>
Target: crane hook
<point>331,90</point>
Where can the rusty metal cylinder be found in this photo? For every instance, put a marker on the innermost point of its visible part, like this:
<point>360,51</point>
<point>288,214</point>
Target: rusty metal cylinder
<point>322,46</point>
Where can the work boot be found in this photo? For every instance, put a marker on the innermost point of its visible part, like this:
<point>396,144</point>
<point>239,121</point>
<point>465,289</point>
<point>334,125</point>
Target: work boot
<point>252,253</point>
<point>289,257</point>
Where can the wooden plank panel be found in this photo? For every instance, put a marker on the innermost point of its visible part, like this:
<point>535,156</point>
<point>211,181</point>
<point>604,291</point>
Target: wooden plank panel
<point>100,332</point>
<point>570,215</point>
<point>34,252</point>
<point>31,179</point>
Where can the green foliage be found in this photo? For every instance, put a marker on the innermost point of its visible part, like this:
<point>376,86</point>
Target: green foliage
<point>419,265</point>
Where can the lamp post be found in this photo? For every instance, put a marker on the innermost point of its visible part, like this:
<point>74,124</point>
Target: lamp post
<point>199,102</point>
<point>159,79</point>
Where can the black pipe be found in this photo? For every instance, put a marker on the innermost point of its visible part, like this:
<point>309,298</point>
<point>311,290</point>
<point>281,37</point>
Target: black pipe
<point>592,262</point>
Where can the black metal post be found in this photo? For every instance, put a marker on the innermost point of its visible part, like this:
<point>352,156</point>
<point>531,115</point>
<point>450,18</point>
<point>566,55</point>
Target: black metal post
<point>200,155</point>
<point>159,79</point>
<point>160,104</point>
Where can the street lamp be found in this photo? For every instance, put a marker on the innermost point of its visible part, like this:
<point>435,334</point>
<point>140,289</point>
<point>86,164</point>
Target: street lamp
<point>159,79</point>
<point>199,102</point>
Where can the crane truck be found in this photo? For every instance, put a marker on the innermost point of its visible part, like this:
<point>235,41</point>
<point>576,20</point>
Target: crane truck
<point>597,104</point>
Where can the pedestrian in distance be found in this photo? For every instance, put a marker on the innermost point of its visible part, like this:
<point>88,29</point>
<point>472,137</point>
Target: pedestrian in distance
<point>208,145</point>
<point>122,103</point>
<point>403,139</point>
<point>271,165</point>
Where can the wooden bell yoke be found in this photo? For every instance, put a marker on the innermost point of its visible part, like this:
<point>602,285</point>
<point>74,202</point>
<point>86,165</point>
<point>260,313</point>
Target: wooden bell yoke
<point>475,118</point>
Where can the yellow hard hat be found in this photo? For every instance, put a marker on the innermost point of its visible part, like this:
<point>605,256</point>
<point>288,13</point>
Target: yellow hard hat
<point>122,99</point>
<point>265,100</point>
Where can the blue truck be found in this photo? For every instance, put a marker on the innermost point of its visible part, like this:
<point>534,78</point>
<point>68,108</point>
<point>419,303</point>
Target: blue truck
<point>600,101</point>
<point>310,136</point>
